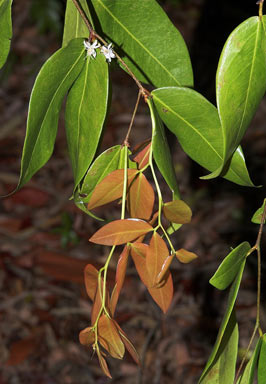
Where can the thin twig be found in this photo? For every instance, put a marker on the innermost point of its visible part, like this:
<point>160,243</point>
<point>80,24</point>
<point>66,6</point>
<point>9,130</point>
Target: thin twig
<point>260,3</point>
<point>94,35</point>
<point>132,120</point>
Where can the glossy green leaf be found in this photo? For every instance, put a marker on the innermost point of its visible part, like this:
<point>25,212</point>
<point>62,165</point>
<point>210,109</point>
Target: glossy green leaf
<point>222,369</point>
<point>257,217</point>
<point>5,29</point>
<point>229,268</point>
<point>262,362</point>
<point>53,81</point>
<point>230,305</point>
<point>153,48</point>
<point>85,115</point>
<point>241,81</point>
<point>121,231</point>
<point>74,24</point>
<point>196,124</point>
<point>161,151</point>
<point>249,372</point>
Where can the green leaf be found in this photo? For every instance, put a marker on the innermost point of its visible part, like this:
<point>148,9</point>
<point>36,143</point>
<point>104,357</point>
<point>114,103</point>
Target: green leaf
<point>153,48</point>
<point>222,369</point>
<point>229,268</point>
<point>161,151</point>
<point>230,305</point>
<point>262,361</point>
<point>5,30</point>
<point>257,217</point>
<point>196,124</point>
<point>74,25</point>
<point>240,81</point>
<point>248,374</point>
<point>52,83</point>
<point>85,115</point>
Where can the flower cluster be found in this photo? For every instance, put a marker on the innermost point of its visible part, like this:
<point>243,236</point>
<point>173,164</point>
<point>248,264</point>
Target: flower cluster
<point>107,51</point>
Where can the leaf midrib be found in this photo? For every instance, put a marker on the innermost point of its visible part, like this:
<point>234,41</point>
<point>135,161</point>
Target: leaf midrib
<point>47,111</point>
<point>139,42</point>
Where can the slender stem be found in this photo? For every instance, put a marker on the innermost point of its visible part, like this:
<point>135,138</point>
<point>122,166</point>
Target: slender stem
<point>159,193</point>
<point>260,3</point>
<point>168,239</point>
<point>93,34</point>
<point>132,119</point>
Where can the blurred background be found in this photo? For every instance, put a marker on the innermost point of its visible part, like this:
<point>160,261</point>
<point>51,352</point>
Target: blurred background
<point>44,238</point>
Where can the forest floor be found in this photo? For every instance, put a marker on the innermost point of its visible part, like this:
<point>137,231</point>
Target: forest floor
<point>44,243</point>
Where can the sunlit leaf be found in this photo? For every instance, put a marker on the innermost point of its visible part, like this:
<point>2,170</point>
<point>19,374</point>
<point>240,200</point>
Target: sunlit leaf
<point>103,364</point>
<point>85,114</point>
<point>161,295</point>
<point>5,30</point>
<point>91,280</point>
<point>177,211</point>
<point>74,24</point>
<point>120,232</point>
<point>53,81</point>
<point>222,369</point>
<point>161,151</point>
<point>141,198</point>
<point>262,361</point>
<point>142,158</point>
<point>119,278</point>
<point>196,124</point>
<point>156,256</point>
<point>146,38</point>
<point>87,336</point>
<point>111,187</point>
<point>249,372</point>
<point>241,80</point>
<point>108,331</point>
<point>230,305</point>
<point>185,256</point>
<point>257,217</point>
<point>229,268</point>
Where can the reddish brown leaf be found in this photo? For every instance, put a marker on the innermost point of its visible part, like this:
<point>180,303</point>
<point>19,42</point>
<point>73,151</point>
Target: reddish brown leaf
<point>141,198</point>
<point>97,305</point>
<point>161,295</point>
<point>156,256</point>
<point>110,188</point>
<point>21,350</point>
<point>129,346</point>
<point>103,364</point>
<point>87,336</point>
<point>109,337</point>
<point>185,256</point>
<point>91,280</point>
<point>142,158</point>
<point>177,211</point>
<point>120,232</point>
<point>120,277</point>
<point>165,268</point>
<point>61,267</point>
<point>138,253</point>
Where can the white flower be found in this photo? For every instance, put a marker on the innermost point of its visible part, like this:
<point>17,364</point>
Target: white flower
<point>108,52</point>
<point>90,48</point>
